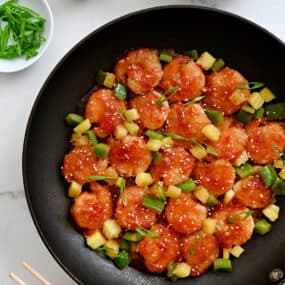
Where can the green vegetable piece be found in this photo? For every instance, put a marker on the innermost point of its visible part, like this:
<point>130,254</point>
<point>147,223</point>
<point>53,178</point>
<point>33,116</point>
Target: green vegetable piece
<point>73,119</point>
<point>215,116</point>
<point>133,236</point>
<point>262,227</point>
<point>244,116</point>
<point>192,53</point>
<point>275,111</point>
<point>218,65</point>
<point>195,100</point>
<point>170,272</point>
<point>187,186</point>
<point>248,109</point>
<point>211,150</point>
<point>212,200</point>
<point>92,137</point>
<point>122,259</point>
<point>153,204</point>
<point>154,135</point>
<point>244,170</point>
<point>250,85</point>
<point>223,264</point>
<point>156,157</point>
<point>100,177</point>
<point>124,244</point>
<point>123,193</point>
<point>100,76</point>
<point>165,56</point>
<point>146,232</point>
<point>175,136</point>
<point>259,113</point>
<point>279,186</point>
<point>268,174</point>
<point>170,91</point>
<point>159,191</point>
<point>101,150</point>
<point>120,91</point>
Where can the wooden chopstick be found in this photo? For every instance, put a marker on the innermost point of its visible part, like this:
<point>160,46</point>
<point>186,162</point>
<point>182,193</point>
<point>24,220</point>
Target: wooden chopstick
<point>32,270</point>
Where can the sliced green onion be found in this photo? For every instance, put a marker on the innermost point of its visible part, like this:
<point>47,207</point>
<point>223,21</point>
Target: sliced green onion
<point>245,215</point>
<point>100,76</point>
<point>244,117</point>
<point>244,170</point>
<point>250,85</point>
<point>154,135</point>
<point>211,150</point>
<point>279,186</point>
<point>92,137</point>
<point>120,91</point>
<point>156,157</point>
<point>248,109</point>
<point>192,53</point>
<point>215,116</point>
<point>100,177</point>
<point>132,236</point>
<point>124,244</point>
<point>187,186</point>
<point>73,119</point>
<point>223,264</point>
<point>153,204</point>
<point>175,136</point>
<point>259,113</point>
<point>262,227</point>
<point>165,56</point>
<point>123,191</point>
<point>146,232</point>
<point>101,150</point>
<point>218,65</point>
<point>195,100</point>
<point>268,174</point>
<point>171,91</point>
<point>170,272</point>
<point>275,111</point>
<point>212,200</point>
<point>122,259</point>
<point>160,191</point>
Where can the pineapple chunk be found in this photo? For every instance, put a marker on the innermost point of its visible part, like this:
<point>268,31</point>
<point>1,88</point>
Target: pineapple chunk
<point>229,196</point>
<point>209,225</point>
<point>109,80</point>
<point>211,132</point>
<point>82,127</point>
<point>202,194</point>
<point>242,159</point>
<point>226,253</point>
<point>74,189</point>
<point>79,140</point>
<point>154,144</point>
<point>167,142</point>
<point>267,95</point>
<point>206,60</point>
<point>182,270</point>
<point>132,128</point>
<point>111,229</point>
<point>143,179</point>
<point>271,212</point>
<point>173,191</point>
<point>237,251</point>
<point>120,132</point>
<point>282,173</point>
<point>112,248</point>
<point>132,115</point>
<point>238,97</point>
<point>199,152</point>
<point>95,240</point>
<point>255,100</point>
<point>278,164</point>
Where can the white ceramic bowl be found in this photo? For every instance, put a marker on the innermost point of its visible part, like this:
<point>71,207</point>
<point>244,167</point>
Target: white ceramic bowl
<point>42,7</point>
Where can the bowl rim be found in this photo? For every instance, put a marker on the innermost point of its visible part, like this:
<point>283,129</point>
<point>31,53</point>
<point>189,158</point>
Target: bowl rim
<point>65,57</point>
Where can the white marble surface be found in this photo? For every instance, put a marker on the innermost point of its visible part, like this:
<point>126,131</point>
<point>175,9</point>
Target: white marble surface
<point>73,20</point>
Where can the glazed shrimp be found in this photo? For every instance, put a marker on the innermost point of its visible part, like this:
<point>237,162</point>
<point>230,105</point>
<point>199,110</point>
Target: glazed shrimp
<point>131,213</point>
<point>199,250</point>
<point>103,108</point>
<point>140,70</point>
<point>159,252</point>
<point>186,121</point>
<point>80,163</point>
<point>218,176</point>
<point>266,141</point>
<point>176,165</point>
<point>152,115</point>
<point>253,193</point>
<point>91,209</point>
<point>234,224</point>
<point>220,86</point>
<point>232,141</point>
<point>129,156</point>
<point>184,214</point>
<point>182,71</point>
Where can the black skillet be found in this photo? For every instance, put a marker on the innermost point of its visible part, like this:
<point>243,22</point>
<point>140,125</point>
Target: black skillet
<point>250,49</point>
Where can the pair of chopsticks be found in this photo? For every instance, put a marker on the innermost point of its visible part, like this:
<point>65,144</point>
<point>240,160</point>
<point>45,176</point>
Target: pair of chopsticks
<point>32,270</point>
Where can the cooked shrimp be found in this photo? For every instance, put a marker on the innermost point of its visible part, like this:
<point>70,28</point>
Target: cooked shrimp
<point>184,214</point>
<point>129,156</point>
<point>252,192</point>
<point>152,115</point>
<point>199,250</point>
<point>266,141</point>
<point>186,121</point>
<point>80,163</point>
<point>232,141</point>
<point>131,213</point>
<point>103,108</point>
<point>91,210</point>
<point>220,86</point>
<point>234,224</point>
<point>217,176</point>
<point>183,72</point>
<point>159,252</point>
<point>140,70</point>
<point>176,165</point>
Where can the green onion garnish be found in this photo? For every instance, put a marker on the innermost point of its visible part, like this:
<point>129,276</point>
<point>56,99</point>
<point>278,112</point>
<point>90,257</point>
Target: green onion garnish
<point>154,135</point>
<point>279,186</point>
<point>92,137</point>
<point>156,157</point>
<point>244,170</point>
<point>259,113</point>
<point>122,259</point>
<point>153,204</point>
<point>268,174</point>
<point>132,236</point>
<point>245,215</point>
<point>218,65</point>
<point>275,111</point>
<point>209,148</point>
<point>187,186</point>
<point>215,116</point>
<point>101,150</point>
<point>170,272</point>
<point>171,90</point>
<point>73,119</point>
<point>122,115</point>
<point>262,227</point>
<point>100,177</point>
<point>146,232</point>
<point>250,85</point>
<point>100,76</point>
<point>165,56</point>
<point>123,194</point>
<point>223,264</point>
<point>244,116</point>
<point>195,100</point>
<point>120,91</point>
<point>175,136</point>
<point>192,53</point>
